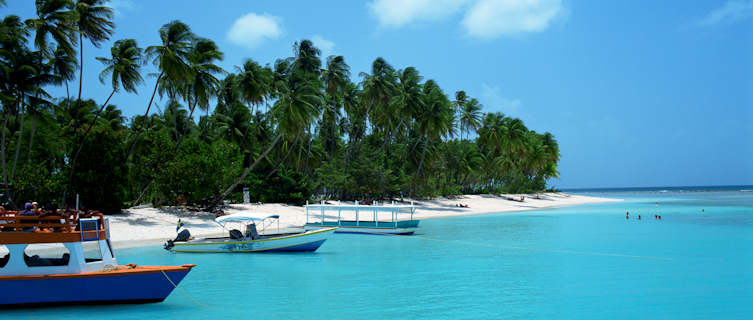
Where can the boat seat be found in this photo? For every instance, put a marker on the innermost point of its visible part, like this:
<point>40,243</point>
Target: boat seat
<point>236,234</point>
<point>251,231</point>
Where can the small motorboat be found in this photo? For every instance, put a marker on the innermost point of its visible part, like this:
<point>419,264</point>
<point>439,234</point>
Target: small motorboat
<point>251,239</point>
<point>65,260</point>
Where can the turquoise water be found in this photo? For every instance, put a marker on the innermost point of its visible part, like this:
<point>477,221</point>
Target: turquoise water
<point>576,262</point>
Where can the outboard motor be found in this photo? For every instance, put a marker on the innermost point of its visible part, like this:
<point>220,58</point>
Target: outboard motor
<point>182,236</point>
<point>236,234</point>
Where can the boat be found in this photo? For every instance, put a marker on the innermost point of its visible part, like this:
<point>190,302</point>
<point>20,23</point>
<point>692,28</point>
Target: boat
<point>251,239</point>
<point>363,219</point>
<point>57,260</point>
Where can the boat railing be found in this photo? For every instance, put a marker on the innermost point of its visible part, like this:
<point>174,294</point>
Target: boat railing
<point>11,221</point>
<point>316,212</point>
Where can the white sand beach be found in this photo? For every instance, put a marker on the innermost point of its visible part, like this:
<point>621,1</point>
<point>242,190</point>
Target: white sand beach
<point>143,226</point>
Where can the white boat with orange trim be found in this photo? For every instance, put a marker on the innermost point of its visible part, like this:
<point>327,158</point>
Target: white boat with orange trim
<point>56,260</point>
<point>251,240</point>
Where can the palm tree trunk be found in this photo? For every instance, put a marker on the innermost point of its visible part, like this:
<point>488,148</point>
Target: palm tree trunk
<point>2,154</point>
<point>308,153</point>
<point>18,145</point>
<point>31,138</point>
<point>247,171</point>
<point>277,166</point>
<point>81,67</point>
<point>423,155</point>
<point>146,115</point>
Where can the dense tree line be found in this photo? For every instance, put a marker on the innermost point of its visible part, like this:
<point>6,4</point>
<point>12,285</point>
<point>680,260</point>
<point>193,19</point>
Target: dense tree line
<point>299,128</point>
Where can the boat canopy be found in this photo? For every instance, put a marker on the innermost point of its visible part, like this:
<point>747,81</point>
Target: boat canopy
<point>242,217</point>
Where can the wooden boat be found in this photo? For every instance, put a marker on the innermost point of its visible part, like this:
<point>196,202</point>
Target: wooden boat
<point>363,219</point>
<point>71,261</point>
<point>252,240</point>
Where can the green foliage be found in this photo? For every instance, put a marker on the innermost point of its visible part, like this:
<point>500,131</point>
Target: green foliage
<point>196,173</point>
<point>101,171</point>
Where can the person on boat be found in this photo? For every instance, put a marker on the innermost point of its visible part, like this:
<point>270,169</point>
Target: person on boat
<point>28,211</point>
<point>35,208</point>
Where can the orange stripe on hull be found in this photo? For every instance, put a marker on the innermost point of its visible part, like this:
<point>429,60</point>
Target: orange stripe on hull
<point>121,270</point>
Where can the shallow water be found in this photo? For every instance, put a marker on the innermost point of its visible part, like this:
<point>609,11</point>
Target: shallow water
<point>575,262</point>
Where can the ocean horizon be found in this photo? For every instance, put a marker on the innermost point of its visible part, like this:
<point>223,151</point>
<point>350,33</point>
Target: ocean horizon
<point>662,189</point>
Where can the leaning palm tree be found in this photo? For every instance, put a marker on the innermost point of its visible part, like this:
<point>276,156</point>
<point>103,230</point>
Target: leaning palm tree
<point>171,58</point>
<point>93,21</point>
<point>294,110</point>
<point>123,68</point>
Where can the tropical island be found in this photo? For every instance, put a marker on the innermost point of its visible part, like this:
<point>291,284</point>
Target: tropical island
<point>296,129</point>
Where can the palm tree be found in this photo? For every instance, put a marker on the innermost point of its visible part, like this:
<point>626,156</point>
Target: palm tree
<point>93,20</point>
<point>378,89</point>
<point>437,119</point>
<point>204,84</point>
<point>171,58</point>
<point>470,116</point>
<point>54,20</point>
<point>254,84</point>
<point>63,67</point>
<point>123,68</point>
<point>335,77</point>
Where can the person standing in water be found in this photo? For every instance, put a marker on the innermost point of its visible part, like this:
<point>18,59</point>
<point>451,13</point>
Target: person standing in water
<point>627,215</point>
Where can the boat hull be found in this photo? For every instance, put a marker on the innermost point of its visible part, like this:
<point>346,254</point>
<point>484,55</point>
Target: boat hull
<point>130,285</point>
<point>305,242</point>
<point>407,227</point>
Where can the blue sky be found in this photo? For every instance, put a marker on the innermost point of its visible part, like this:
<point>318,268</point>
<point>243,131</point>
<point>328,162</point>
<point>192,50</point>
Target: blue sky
<point>638,93</point>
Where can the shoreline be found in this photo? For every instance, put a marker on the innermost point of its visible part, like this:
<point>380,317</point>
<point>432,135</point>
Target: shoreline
<point>146,226</point>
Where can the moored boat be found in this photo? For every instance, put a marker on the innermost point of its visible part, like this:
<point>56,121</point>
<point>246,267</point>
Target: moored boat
<point>365,219</point>
<point>56,260</point>
<point>251,240</point>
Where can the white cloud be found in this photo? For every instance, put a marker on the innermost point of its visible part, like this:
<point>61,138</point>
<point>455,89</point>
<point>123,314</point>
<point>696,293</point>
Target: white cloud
<point>399,13</point>
<point>491,97</point>
<point>731,12</point>
<point>252,29</point>
<point>488,19</point>
<point>325,45</point>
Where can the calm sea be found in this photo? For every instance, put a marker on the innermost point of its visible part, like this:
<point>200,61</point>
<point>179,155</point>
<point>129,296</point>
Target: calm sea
<point>585,262</point>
